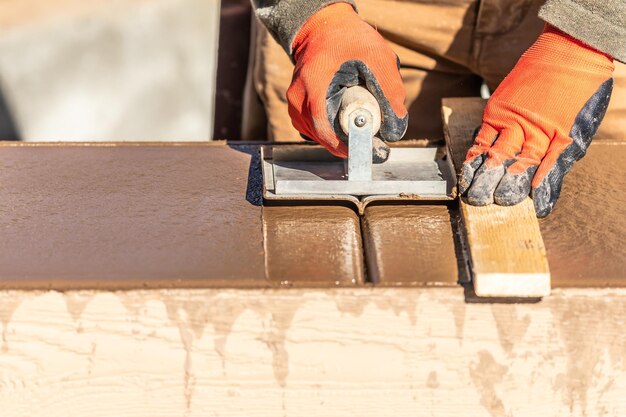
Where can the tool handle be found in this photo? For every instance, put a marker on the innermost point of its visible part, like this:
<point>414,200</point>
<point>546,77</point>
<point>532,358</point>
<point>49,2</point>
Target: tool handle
<point>355,98</point>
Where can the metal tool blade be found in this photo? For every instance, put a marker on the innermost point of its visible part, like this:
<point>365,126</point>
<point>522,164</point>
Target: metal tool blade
<point>360,142</point>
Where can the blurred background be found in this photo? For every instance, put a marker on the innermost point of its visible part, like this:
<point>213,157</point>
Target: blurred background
<point>114,70</point>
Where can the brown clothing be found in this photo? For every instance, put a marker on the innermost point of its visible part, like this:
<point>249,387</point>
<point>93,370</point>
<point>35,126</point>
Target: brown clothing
<point>446,49</point>
<point>601,24</point>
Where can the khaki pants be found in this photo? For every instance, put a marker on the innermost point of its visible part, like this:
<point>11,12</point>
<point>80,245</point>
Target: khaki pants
<point>446,48</point>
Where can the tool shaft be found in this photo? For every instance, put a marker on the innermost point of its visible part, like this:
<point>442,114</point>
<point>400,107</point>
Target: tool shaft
<point>360,146</point>
<point>359,117</point>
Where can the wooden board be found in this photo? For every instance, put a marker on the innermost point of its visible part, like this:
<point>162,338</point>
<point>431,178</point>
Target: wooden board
<point>506,249</point>
<point>343,352</point>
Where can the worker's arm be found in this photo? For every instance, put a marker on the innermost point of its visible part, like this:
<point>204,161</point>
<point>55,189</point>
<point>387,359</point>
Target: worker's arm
<point>333,48</point>
<point>284,18</point>
<point>542,117</point>
<point>600,24</point>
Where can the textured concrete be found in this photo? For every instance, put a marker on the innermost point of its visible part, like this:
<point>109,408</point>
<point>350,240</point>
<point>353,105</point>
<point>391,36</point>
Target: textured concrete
<point>109,70</point>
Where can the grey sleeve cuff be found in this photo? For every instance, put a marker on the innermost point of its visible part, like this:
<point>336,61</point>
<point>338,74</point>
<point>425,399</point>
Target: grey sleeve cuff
<point>599,24</point>
<point>284,18</point>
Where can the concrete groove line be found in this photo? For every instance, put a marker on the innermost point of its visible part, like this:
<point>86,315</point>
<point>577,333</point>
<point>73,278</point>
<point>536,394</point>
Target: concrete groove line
<point>367,270</point>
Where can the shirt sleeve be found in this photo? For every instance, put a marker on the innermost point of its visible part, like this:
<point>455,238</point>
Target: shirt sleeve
<point>284,18</point>
<point>600,24</point>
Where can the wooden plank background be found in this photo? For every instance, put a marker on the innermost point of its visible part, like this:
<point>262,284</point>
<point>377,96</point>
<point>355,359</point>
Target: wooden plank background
<point>342,352</point>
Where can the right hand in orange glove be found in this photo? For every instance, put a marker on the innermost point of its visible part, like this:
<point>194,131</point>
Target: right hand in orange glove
<point>538,122</point>
<point>335,50</point>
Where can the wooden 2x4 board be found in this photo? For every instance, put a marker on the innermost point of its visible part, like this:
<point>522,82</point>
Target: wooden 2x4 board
<point>506,249</point>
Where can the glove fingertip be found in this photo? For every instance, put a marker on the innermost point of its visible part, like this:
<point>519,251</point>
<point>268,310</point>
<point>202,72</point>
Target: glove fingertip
<point>547,186</point>
<point>394,128</point>
<point>514,188</point>
<point>465,180</point>
<point>468,171</point>
<point>481,191</point>
<point>544,198</point>
<point>542,203</point>
<point>380,151</point>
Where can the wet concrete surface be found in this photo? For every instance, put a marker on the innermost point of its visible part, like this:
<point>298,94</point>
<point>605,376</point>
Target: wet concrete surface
<point>133,216</point>
<point>410,245</point>
<point>189,215</point>
<point>313,246</point>
<point>585,236</point>
<point>127,216</point>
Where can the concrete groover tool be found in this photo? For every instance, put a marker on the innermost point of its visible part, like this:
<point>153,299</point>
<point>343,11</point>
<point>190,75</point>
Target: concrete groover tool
<point>306,172</point>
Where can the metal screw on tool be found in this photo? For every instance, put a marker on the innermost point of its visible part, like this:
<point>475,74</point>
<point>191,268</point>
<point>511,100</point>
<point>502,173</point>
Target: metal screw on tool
<point>360,120</point>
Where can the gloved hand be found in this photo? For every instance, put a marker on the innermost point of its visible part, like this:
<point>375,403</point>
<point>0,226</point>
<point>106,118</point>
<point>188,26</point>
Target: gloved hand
<point>334,50</point>
<point>538,122</point>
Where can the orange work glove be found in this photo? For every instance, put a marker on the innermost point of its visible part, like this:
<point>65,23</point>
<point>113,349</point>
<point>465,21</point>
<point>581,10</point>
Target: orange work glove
<point>538,122</point>
<point>335,50</point>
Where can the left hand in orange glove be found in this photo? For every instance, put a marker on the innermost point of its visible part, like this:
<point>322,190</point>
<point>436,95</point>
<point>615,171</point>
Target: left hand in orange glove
<point>538,122</point>
<point>335,50</point>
